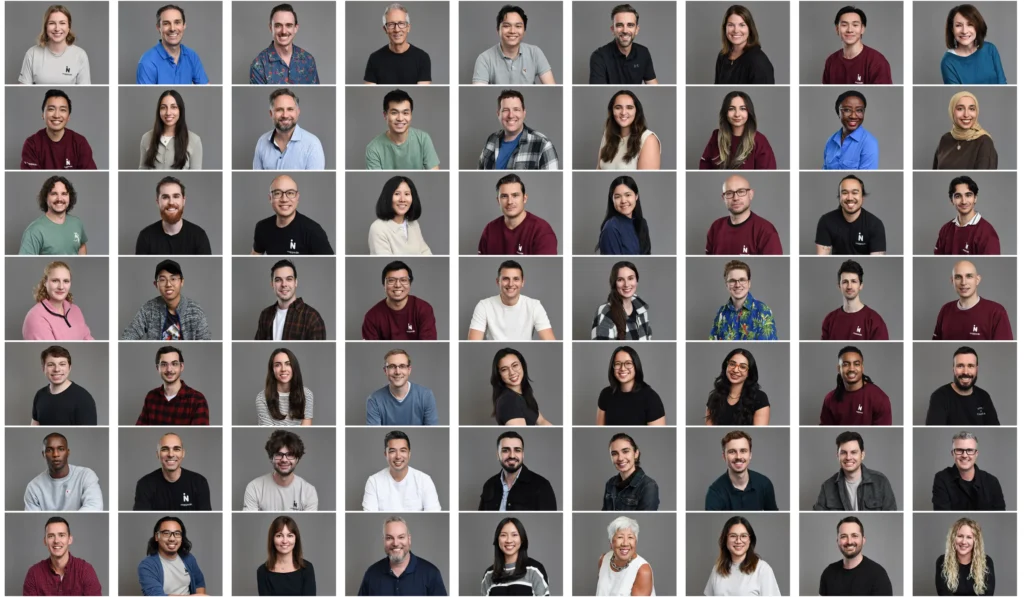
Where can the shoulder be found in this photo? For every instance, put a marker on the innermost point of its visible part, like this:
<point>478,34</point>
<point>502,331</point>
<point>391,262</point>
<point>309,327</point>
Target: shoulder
<point>834,56</point>
<point>758,137</point>
<point>427,565</point>
<point>994,306</point>
<point>874,54</point>
<point>535,133</point>
<point>379,226</point>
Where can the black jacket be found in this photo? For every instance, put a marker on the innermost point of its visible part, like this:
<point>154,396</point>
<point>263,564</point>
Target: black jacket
<point>530,492</point>
<point>950,492</point>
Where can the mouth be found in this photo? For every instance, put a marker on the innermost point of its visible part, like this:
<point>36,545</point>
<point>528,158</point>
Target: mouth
<point>623,551</point>
<point>966,122</point>
<point>735,376</point>
<point>738,462</point>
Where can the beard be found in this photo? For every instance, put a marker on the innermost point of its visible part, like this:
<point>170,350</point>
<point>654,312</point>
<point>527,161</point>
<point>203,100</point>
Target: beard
<point>172,219</point>
<point>512,468</point>
<point>963,387</point>
<point>397,558</point>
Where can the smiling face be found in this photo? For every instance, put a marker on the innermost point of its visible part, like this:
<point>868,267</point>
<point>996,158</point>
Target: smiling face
<point>509,541</point>
<point>399,117</point>
<point>58,199</point>
<point>512,200</point>
<point>738,283</point>
<point>623,545</point>
<point>964,541</point>
<point>966,280</point>
<point>398,369</point>
<point>285,113</point>
<point>737,112</point>
<point>285,284</point>
<point>284,196</point>
<point>169,285</point>
<point>851,367</point>
<point>171,27</point>
<point>169,110</point>
<point>57,539</point>
<point>510,283</point>
<point>964,32</point>
<point>736,31</point>
<point>965,371</point>
<point>850,28</point>
<point>849,284</point>
<point>850,456</point>
<point>58,25</point>
<point>512,116</point>
<point>401,200</point>
<point>396,285</point>
<point>56,453</point>
<point>56,114</point>
<point>738,541</point>
<point>397,542</point>
<point>964,200</point>
<point>511,30</point>
<point>57,369</point>
<point>965,454</point>
<point>851,113</point>
<point>737,369</point>
<point>624,200</point>
<point>625,29</point>
<point>170,452</point>
<point>170,367</point>
<point>737,455</point>
<point>396,26</point>
<point>965,112</point>
<point>623,457</point>
<point>168,537</point>
<point>58,284</point>
<point>284,28</point>
<point>851,196</point>
<point>510,454</point>
<point>850,540</point>
<point>171,202</point>
<point>511,371</point>
<point>625,283</point>
<point>398,455</point>
<point>623,110</point>
<point>284,540</point>
<point>624,367</point>
<point>282,367</point>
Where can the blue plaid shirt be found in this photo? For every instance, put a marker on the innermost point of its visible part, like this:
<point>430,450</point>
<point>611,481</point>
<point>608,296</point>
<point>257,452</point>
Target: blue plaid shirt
<point>753,321</point>
<point>268,69</point>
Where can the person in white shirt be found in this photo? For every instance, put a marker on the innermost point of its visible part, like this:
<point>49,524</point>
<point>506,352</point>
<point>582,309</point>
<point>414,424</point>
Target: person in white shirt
<point>282,490</point>
<point>399,487</point>
<point>396,231</point>
<point>510,316</point>
<point>739,570</point>
<point>62,486</point>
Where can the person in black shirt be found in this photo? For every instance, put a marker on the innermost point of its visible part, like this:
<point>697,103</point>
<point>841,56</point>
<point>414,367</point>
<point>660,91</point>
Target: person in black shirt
<point>288,232</point>
<point>737,398</point>
<point>631,488</point>
<point>628,400</point>
<point>964,486</point>
<point>850,229</point>
<point>172,235</point>
<point>855,574</point>
<point>740,488</point>
<point>965,569</point>
<point>961,402</point>
<point>621,61</point>
<point>742,61</point>
<point>172,487</point>
<point>399,62</point>
<point>526,490</point>
<point>61,401</point>
<point>285,572</point>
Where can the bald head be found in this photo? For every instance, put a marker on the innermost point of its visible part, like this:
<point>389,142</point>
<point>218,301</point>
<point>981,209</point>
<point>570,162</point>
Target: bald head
<point>283,182</point>
<point>735,182</point>
<point>966,279</point>
<point>169,439</point>
<point>737,195</point>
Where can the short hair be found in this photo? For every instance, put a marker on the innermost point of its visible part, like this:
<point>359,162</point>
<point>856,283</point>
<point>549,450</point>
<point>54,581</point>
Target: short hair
<point>969,12</point>
<point>394,266</point>
<point>385,209</point>
<point>966,350</point>
<point>160,11</point>
<point>848,9</point>
<point>284,8</point>
<point>736,264</point>
<point>850,93</point>
<point>55,520</point>
<point>43,37</point>
<point>511,93</point>
<point>395,351</point>
<point>863,189</point>
<point>48,184</point>
<point>170,266</point>
<point>55,434</point>
<point>625,8</point>
<point>965,435</point>
<point>168,350</point>
<point>170,180</point>
<point>735,435</point>
<point>623,522</point>
<point>397,435</point>
<point>959,180</point>
<point>510,179</point>
<point>283,263</point>
<point>511,264</point>
<point>391,519</point>
<point>850,267</point>
<point>394,6</point>
<point>397,96</point>
<point>285,439</point>
<point>851,519</point>
<point>55,351</point>
<point>510,434</point>
<point>849,436</point>
<point>282,91</point>
<point>55,93</point>
<point>511,8</point>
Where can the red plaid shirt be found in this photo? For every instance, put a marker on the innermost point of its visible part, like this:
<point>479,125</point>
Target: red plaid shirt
<point>189,407</point>
<point>301,323</point>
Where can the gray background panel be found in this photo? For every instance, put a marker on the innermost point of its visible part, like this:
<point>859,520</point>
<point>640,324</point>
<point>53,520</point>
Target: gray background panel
<point>251,119</point>
<point>656,286</point>
<point>138,456</point>
<point>204,530</point>
<point>90,22</point>
<point>771,106</point>
<point>204,206</point>
<point>996,113</point>
<point>704,364</point>
<point>930,43</point>
<point>657,198</point>
<point>429,454</point>
<point>87,447</point>
<point>429,537</point>
<point>317,467</point>
<point>592,466</point>
<point>203,277</point>
<point>769,456</point>
<point>818,38</point>
<point>997,448</point>
<point>883,363</point>
<point>656,542</point>
<point>89,288</point>
<point>249,541</point>
<point>478,118</point>
<point>478,460</point>
<point>478,31</point>
<point>704,41</point>
<point>819,195</point>
<point>92,207</point>
<point>883,452</point>
<point>820,293</point>
<point>89,117</point>
<point>364,119</point>
<point>933,208</point>
<point>542,278</point>
<point>543,364</point>
<point>248,376</point>
<point>883,118</point>
<point>89,369</point>
<point>478,204</point>
<point>364,289</point>
<point>590,376</point>
<point>139,33</point>
<point>707,291</point>
<point>773,539</point>
<point>429,369</point>
<point>590,112</point>
<point>254,292</point>
<point>883,543</point>
<point>362,189</point>
<point>476,537</point>
<point>704,204</point>
<point>28,530</point>
<point>997,369</point>
<point>932,288</point>
<point>138,374</point>
<point>250,35</point>
<point>659,31</point>
<point>202,114</point>
<point>997,530</point>
<point>430,24</point>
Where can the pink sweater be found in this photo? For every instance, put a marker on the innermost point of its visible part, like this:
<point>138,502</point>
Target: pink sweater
<point>43,324</point>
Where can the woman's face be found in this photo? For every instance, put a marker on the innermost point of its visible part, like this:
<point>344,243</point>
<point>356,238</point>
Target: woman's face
<point>169,110</point>
<point>624,200</point>
<point>736,31</point>
<point>401,199</point>
<point>284,541</point>
<point>57,27</point>
<point>623,456</point>
<point>510,370</point>
<point>282,368</point>
<point>965,112</point>
<point>58,284</point>
<point>624,544</point>
<point>509,540</point>
<point>738,540</point>
<point>624,367</point>
<point>737,368</point>
<point>737,112</point>
<point>964,541</point>
<point>623,110</point>
<point>625,282</point>
<point>963,31</point>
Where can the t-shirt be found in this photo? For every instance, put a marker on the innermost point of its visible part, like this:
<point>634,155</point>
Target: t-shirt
<point>863,236</point>
<point>867,406</point>
<point>513,406</point>
<point>868,578</point>
<point>753,236</point>
<point>732,414</point>
<point>751,68</point>
<point>191,492</point>
<point>851,491</point>
<point>414,321</point>
<point>262,493</point>
<point>416,153</point>
<point>986,320</point>
<point>190,240</point>
<point>414,493</point>
<point>499,321</point>
<point>303,236</point>
<point>176,579</point>
<point>533,236</point>
<point>72,152</point>
<point>505,151</point>
<point>946,407</point>
<point>978,237</point>
<point>865,324</point>
<point>867,68</point>
<point>45,237</point>
<point>760,582</point>
<point>43,67</point>
<point>419,407</point>
<point>73,406</point>
<point>638,407</point>
<point>385,67</point>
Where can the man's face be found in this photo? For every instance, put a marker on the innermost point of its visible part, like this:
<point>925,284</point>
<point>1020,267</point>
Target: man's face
<point>738,284</point>
<point>849,284</point>
<point>512,30</point>
<point>170,367</point>
<point>851,196</point>
<point>170,452</point>
<point>56,114</point>
<point>625,29</point>
<point>963,199</point>
<point>737,195</point>
<point>965,454</point>
<point>398,455</point>
<point>285,113</point>
<point>851,367</point>
<point>397,284</point>
<point>57,539</point>
<point>58,199</point>
<point>285,283</point>
<point>171,27</point>
<point>284,27</point>
<point>171,202</point>
<point>397,541</point>
<point>737,455</point>
<point>397,369</point>
<point>56,453</point>
<point>850,456</point>
<point>850,28</point>
<point>169,286</point>
<point>850,540</point>
<point>511,454</point>
<point>284,461</point>
<point>965,371</point>
<point>510,282</point>
<point>399,117</point>
<point>512,200</point>
<point>57,369</point>
<point>284,196</point>
<point>396,26</point>
<point>851,113</point>
<point>966,279</point>
<point>168,537</point>
<point>512,115</point>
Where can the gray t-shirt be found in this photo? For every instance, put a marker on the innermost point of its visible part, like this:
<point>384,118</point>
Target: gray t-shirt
<point>851,491</point>
<point>176,580</point>
<point>265,495</point>
<point>495,68</point>
<point>42,67</point>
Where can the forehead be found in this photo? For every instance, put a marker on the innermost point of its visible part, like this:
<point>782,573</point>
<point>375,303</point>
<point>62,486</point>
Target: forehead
<point>52,358</point>
<point>737,100</point>
<point>58,187</point>
<point>171,14</point>
<point>738,358</point>
<point>849,446</point>
<point>964,269</point>
<point>510,188</point>
<point>737,528</point>
<point>170,441</point>
<point>397,443</point>
<point>966,101</point>
<point>625,272</point>
<point>170,525</point>
<point>56,527</point>
<point>735,18</point>
<point>624,18</point>
<point>849,17</point>
<point>965,529</point>
<point>737,444</point>
<point>850,183</point>
<point>512,17</point>
<point>397,358</point>
<point>620,444</point>
<point>285,271</point>
<point>281,357</point>
<point>736,182</point>
<point>850,357</point>
<point>849,528</point>
<point>852,276</point>
<point>962,189</point>
<point>623,99</point>
<point>852,101</point>
<point>509,103</point>
<point>168,99</point>
<point>57,16</point>
<point>965,443</point>
<point>283,16</point>
<point>170,356</point>
<point>510,272</point>
<point>401,106</point>
<point>511,442</point>
<point>508,360</point>
<point>282,181</point>
<point>622,355</point>
<point>56,441</point>
<point>170,188</point>
<point>965,358</point>
<point>395,528</point>
<point>285,101</point>
<point>60,272</point>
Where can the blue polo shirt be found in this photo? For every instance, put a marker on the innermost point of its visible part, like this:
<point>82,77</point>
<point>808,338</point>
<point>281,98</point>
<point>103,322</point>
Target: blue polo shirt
<point>303,152</point>
<point>156,67</point>
<point>859,151</point>
<point>420,578</point>
<point>759,494</point>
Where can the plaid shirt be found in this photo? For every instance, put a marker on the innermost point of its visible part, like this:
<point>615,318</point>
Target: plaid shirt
<point>269,69</point>
<point>188,407</point>
<point>534,152</point>
<point>638,327</point>
<point>301,323</point>
<point>754,321</point>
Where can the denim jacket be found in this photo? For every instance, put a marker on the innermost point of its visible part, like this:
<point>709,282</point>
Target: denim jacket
<point>640,494</point>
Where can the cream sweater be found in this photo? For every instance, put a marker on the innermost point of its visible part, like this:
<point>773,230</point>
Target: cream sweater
<point>386,238</point>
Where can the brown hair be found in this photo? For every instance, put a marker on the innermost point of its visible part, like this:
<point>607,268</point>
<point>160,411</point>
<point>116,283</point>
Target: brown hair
<point>973,17</point>
<point>613,132</point>
<point>736,264</point>
<point>55,351</point>
<point>40,289</point>
<point>279,524</point>
<point>395,351</point>
<point>43,38</point>
<point>753,41</point>
<point>616,312</point>
<point>735,435</point>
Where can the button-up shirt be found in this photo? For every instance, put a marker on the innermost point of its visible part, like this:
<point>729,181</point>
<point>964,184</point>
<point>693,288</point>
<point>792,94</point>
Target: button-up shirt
<point>79,579</point>
<point>157,67</point>
<point>533,152</point>
<point>858,151</point>
<point>188,407</point>
<point>269,69</point>
<point>303,152</point>
<point>419,578</point>
<point>752,321</point>
<point>505,488</point>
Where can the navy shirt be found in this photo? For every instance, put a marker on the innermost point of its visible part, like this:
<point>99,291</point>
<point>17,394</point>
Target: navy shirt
<point>758,495</point>
<point>420,578</point>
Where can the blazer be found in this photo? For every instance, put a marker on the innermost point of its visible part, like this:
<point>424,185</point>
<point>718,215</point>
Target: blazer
<point>949,491</point>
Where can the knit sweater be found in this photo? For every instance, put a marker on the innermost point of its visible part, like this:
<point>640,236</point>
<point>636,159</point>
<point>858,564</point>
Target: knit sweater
<point>41,323</point>
<point>387,238</point>
<point>148,322</point>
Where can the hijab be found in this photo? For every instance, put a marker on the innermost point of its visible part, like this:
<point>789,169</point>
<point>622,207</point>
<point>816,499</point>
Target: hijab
<point>961,134</point>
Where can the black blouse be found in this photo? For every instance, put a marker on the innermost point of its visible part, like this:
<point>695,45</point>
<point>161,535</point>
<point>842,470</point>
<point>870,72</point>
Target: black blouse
<point>731,414</point>
<point>300,582</point>
<point>751,68</point>
<point>639,407</point>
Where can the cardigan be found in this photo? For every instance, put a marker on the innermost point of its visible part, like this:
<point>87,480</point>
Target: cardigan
<point>151,574</point>
<point>386,238</point>
<point>165,153</point>
<point>43,324</point>
<point>148,322</point>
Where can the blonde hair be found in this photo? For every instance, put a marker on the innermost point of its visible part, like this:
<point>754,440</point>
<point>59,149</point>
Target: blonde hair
<point>951,566</point>
<point>40,288</point>
<point>43,38</point>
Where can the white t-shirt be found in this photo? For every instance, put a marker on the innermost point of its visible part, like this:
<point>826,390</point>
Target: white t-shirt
<point>176,580</point>
<point>279,323</point>
<point>499,321</point>
<point>414,493</point>
<point>265,495</point>
<point>42,67</point>
<point>761,582</point>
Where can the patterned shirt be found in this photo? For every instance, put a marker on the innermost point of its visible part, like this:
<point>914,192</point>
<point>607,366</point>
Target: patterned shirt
<point>188,407</point>
<point>753,322</point>
<point>534,152</point>
<point>269,69</point>
<point>301,323</point>
<point>638,325</point>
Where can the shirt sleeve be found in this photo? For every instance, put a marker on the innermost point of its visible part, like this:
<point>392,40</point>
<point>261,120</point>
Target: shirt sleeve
<point>649,500</point>
<point>428,326</point>
<point>148,580</point>
<point>25,77</point>
<point>937,333</point>
<point>548,157</point>
<point>31,242</point>
<point>826,418</point>
<point>877,236</point>
<point>822,236</point>
<point>203,503</point>
<point>598,76</point>
<point>430,158</point>
<point>92,498</point>
<point>713,500</point>
<point>84,150</point>
<point>610,241</point>
<point>373,414</point>
<point>431,503</point>
<point>262,411</point>
<point>883,413</point>
<point>655,407</point>
<point>373,157</point>
<point>708,156</point>
<point>937,414</point>
<point>201,416</point>
<point>199,73</point>
<point>478,321</point>
<point>869,154</point>
<point>879,330</point>
<point>508,409</point>
<point>542,62</point>
<point>145,74</point>
<point>315,159</point>
<point>312,501</point>
<point>423,73</point>
<point>308,412</point>
<point>771,243</point>
<point>370,503</point>
<point>429,407</point>
<point>997,66</point>
<point>370,72</point>
<point>540,318</point>
<point>250,502</point>
<point>256,73</point>
<point>1002,330</point>
<point>143,499</point>
<point>882,74</point>
<point>481,73</point>
<point>649,70</point>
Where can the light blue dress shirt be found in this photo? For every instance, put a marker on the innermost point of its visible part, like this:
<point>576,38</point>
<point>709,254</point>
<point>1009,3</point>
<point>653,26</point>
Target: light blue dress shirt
<point>859,151</point>
<point>303,152</point>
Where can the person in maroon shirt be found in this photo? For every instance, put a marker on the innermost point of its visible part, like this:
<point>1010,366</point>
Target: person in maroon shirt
<point>967,233</point>
<point>856,399</point>
<point>55,147</point>
<point>854,320</point>
<point>516,232</point>
<point>400,316</point>
<point>173,403</point>
<point>737,144</point>
<point>855,64</point>
<point>742,232</point>
<point>61,573</point>
<point>971,317</point>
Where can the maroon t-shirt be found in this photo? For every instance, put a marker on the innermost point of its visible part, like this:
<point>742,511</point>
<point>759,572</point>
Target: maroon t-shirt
<point>986,320</point>
<point>865,324</point>
<point>761,158</point>
<point>755,236</point>
<point>869,68</point>
<point>414,321</point>
<point>72,152</point>
<point>973,239</point>
<point>867,406</point>
<point>533,236</point>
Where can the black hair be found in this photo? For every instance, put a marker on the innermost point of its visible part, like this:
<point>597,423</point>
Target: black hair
<point>397,435</point>
<point>152,547</point>
<point>511,8</point>
<point>718,398</point>
<point>385,210</point>
<point>509,93</point>
<point>509,179</point>
<point>284,8</point>
<point>56,93</point>
<point>498,387</point>
<point>167,350</point>
<point>285,439</point>
<point>851,93</point>
<point>638,381</point>
<point>56,519</point>
<point>848,9</point>
<point>639,223</point>
<point>967,350</point>
<point>837,394</point>
<point>863,189</point>
<point>394,266</point>
<point>180,135</point>
<point>498,572</point>
<point>959,180</point>
<point>850,267</point>
<point>55,434</point>
<point>397,96</point>
<point>636,448</point>
<point>852,519</point>
<point>48,184</point>
<point>284,263</point>
<point>849,436</point>
<point>170,180</point>
<point>513,435</point>
<point>511,264</point>
<point>170,266</point>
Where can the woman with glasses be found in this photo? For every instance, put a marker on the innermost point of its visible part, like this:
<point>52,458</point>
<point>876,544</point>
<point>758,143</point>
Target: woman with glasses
<point>737,398</point>
<point>627,143</point>
<point>625,316</point>
<point>170,145</point>
<point>965,569</point>
<point>513,572</point>
<point>624,230</point>
<point>396,231</point>
<point>737,144</point>
<point>285,572</point>
<point>852,147</point>
<point>55,316</point>
<point>512,399</point>
<point>284,400</point>
<point>628,400</point>
<point>631,488</point>
<point>966,146</point>
<point>969,59</point>
<point>742,61</point>
<point>739,570</point>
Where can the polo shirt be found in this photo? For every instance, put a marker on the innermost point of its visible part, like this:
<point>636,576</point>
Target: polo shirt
<point>859,151</point>
<point>608,66</point>
<point>492,66</point>
<point>420,577</point>
<point>46,237</point>
<point>157,67</point>
<point>863,236</point>
<point>759,494</point>
<point>303,152</point>
<point>416,153</point>
<point>515,322</point>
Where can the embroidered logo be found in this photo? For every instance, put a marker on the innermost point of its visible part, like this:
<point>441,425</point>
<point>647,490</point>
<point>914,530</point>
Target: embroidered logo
<point>67,163</point>
<point>519,250</point>
<point>745,252</point>
<point>967,248</point>
<point>859,80</point>
<point>860,409</point>
<point>974,331</point>
<point>291,244</point>
<point>409,328</point>
<point>857,332</point>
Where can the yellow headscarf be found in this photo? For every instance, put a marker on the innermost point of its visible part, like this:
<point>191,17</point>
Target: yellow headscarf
<point>962,134</point>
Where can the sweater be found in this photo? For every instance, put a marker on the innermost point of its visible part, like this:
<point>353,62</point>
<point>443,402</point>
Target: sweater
<point>533,582</point>
<point>533,236</point>
<point>390,238</point>
<point>417,408</point>
<point>978,237</point>
<point>753,236</point>
<point>414,321</point>
<point>148,323</point>
<point>619,237</point>
<point>867,578</point>
<point>986,320</point>
<point>151,574</point>
<point>867,68</point>
<point>41,323</point>
<point>761,157</point>
<point>979,154</point>
<point>72,152</point>
<point>78,490</point>
<point>165,153</point>
<point>983,67</point>
<point>865,324</point>
<point>867,406</point>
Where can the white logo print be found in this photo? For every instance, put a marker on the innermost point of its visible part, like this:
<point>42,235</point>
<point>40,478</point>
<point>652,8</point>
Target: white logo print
<point>409,328</point>
<point>78,239</point>
<point>745,252</point>
<point>184,497</point>
<point>975,330</point>
<point>67,163</point>
<point>967,247</point>
<point>860,237</point>
<point>860,409</point>
<point>519,251</point>
<point>859,80</point>
<point>291,244</point>
<point>858,333</point>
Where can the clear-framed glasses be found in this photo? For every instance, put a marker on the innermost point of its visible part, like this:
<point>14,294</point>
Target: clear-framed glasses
<point>173,279</point>
<point>290,193</point>
<point>400,25</point>
<point>404,281</point>
<point>744,537</point>
<point>736,193</point>
<point>285,456</point>
<point>737,281</point>
<point>399,367</point>
<point>627,365</point>
<point>169,534</point>
<point>967,451</point>
<point>513,367</point>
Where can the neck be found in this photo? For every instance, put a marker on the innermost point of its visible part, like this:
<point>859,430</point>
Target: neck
<point>174,51</point>
<point>627,386</point>
<point>852,305</point>
<point>737,131</point>
<point>853,387</point>
<point>736,51</point>
<point>58,47</point>
<point>510,478</point>
<point>283,480</point>
<point>283,221</point>
<point>55,135</point>
<point>624,50</point>
<point>58,564</point>
<point>510,52</point>
<point>60,473</point>
<point>511,558</point>
<point>508,302</point>
<point>171,389</point>
<point>56,306</point>
<point>854,50</point>
<point>509,135</point>
<point>57,389</point>
<point>169,130</point>
<point>738,559</point>
<point>736,389</point>
<point>399,567</point>
<point>739,218</point>
<point>398,138</point>
<point>965,558</point>
<point>283,51</point>
<point>167,555</point>
<point>285,136</point>
<point>625,474</point>
<point>284,387</point>
<point>399,474</point>
<point>398,219</point>
<point>57,218</point>
<point>399,391</point>
<point>284,304</point>
<point>849,563</point>
<point>967,475</point>
<point>738,302</point>
<point>739,479</point>
<point>962,50</point>
<point>624,131</point>
<point>174,228</point>
<point>518,388</point>
<point>172,476</point>
<point>963,219</point>
<point>396,305</point>
<point>851,217</point>
<point>399,48</point>
<point>957,389</point>
<point>852,476</point>
<point>513,222</point>
<point>173,305</point>
<point>970,301</point>
<point>284,560</point>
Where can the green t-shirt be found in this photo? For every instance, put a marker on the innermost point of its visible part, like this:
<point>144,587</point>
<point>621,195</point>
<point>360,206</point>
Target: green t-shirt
<point>43,237</point>
<point>417,153</point>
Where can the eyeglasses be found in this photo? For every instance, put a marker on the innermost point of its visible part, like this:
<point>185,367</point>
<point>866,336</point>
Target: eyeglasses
<point>170,364</point>
<point>736,193</point>
<point>963,451</point>
<point>849,111</point>
<point>393,368</point>
<point>290,193</point>
<point>169,534</point>
<point>627,365</point>
<point>740,366</point>
<point>737,281</point>
<point>744,537</point>
<point>400,25</point>
<point>172,279</point>
<point>397,281</point>
<point>513,367</point>
<point>285,456</point>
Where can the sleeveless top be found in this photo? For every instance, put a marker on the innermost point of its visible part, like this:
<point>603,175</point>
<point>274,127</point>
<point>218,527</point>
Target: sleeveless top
<point>618,163</point>
<point>614,584</point>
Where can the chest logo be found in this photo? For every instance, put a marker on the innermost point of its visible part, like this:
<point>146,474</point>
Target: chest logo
<point>67,70</point>
<point>859,79</point>
<point>860,409</point>
<point>857,332</point>
<point>67,163</point>
<point>291,244</point>
<point>860,237</point>
<point>974,331</point>
<point>409,328</point>
<point>78,239</point>
<point>519,249</point>
<point>745,252</point>
<point>967,248</point>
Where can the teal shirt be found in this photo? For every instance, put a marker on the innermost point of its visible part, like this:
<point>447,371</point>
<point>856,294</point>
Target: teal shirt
<point>44,237</point>
<point>753,321</point>
<point>417,153</point>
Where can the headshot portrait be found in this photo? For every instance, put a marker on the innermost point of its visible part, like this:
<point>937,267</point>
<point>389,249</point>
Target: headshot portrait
<point>62,471</point>
<point>839,44</point>
<point>191,285</point>
<point>190,33</point>
<point>284,470</point>
<point>51,209</point>
<point>645,284</point>
<point>946,119</point>
<point>262,124</point>
<point>734,214</point>
<point>408,304</point>
<point>531,541</point>
<point>170,469</point>
<point>980,218</point>
<point>149,373</point>
<point>387,49</point>
<point>976,46</point>
<point>75,37</point>
<point>962,551</point>
<point>282,44</point>
<point>869,372</point>
<point>738,300</point>
<point>757,143</point>
<point>869,543</point>
<point>69,291</point>
<point>522,455</point>
<point>753,457</point>
<point>623,388</point>
<point>513,214</point>
<point>268,281</point>
<point>752,547</point>
<point>154,222</point>
<point>284,368</point>
<point>643,33</point>
<point>624,214</point>
<point>197,547</point>
<point>85,373</point>
<point>491,289</point>
<point>411,539</point>
<point>737,44</point>
<point>61,139</point>
<point>519,394</point>
<point>279,554</point>
<point>613,119</point>
<point>852,214</point>
<point>84,534</point>
<point>195,143</point>
<point>515,117</point>
<point>380,120</point>
<point>983,289</point>
<point>756,371</point>
<point>500,47</point>
<point>404,370</point>
<point>867,116</point>
<point>644,538</point>
<point>397,213</point>
<point>405,470</point>
<point>966,384</point>
<point>608,454</point>
<point>832,459</point>
<point>952,461</point>
<point>834,296</point>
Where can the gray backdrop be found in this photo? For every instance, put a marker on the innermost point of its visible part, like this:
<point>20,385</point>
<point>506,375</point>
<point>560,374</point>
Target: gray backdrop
<point>882,118</point>
<point>659,32</point>
<point>819,195</point>
<point>87,447</point>
<point>89,118</point>
<point>542,277</point>
<point>590,112</point>
<point>704,41</point>
<point>705,204</point>
<point>430,23</point>
<point>203,280</point>
<point>318,198</point>
<point>319,545</point>
<point>249,374</point>
<point>92,207</point>
<point>478,118</point>
<point>704,364</point>
<point>883,543</point>
<point>361,192</point>
<point>202,113</point>
<point>657,196</point>
<point>702,546</point>
<point>428,533</point>
<point>138,374</point>
<point>429,369</point>
<point>592,466</point>
<point>251,119</point>
<point>317,467</point>
<point>932,288</point>
<point>931,530</point>
<point>820,294</point>
<point>138,33</point>
<point>364,289</point>
<point>478,204</point>
<point>27,531</point>
<point>932,207</point>
<point>996,114</point>
<point>90,24</point>
<point>137,457</point>
<point>478,460</point>
<point>883,451</point>
<point>656,543</point>
<point>590,377</point>
<point>478,31</point>
<point>250,35</point>
<point>88,369</point>
<point>933,369</point>
<point>930,41</point>
<point>656,286</point>
<point>772,103</point>
<point>707,292</point>
<point>204,530</point>
<point>883,363</point>
<point>251,277</point>
<point>203,201</point>
<point>543,362</point>
<point>364,119</point>
<point>429,455</point>
<point>818,38</point>
<point>997,448</point>
<point>769,456</point>
<point>89,288</point>
<point>476,537</point>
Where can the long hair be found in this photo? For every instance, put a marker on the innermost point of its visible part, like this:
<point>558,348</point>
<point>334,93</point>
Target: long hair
<point>723,566</point>
<point>296,391</point>
<point>153,547</point>
<point>950,565</point>
<point>49,183</point>
<point>837,395</point>
<point>639,223</point>
<point>498,386</point>
<point>279,524</point>
<point>753,40</point>
<point>718,398</point>
<point>39,291</point>
<point>498,570</point>
<point>180,134</point>
<point>638,381</point>
<point>386,211</point>
<point>43,37</point>
<point>613,132</point>
<point>616,312</point>
<point>746,146</point>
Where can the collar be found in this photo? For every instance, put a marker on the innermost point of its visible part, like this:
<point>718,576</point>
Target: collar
<point>519,51</point>
<point>65,304</point>
<point>501,476</point>
<point>962,308</point>
<point>273,56</point>
<point>411,567</point>
<point>748,303</point>
<point>162,52</point>
<point>856,135</point>
<point>67,567</point>
<point>297,135</point>
<point>974,221</point>
<point>523,134</point>
<point>615,49</point>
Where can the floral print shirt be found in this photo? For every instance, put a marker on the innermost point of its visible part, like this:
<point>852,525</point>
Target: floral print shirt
<point>754,321</point>
<point>268,69</point>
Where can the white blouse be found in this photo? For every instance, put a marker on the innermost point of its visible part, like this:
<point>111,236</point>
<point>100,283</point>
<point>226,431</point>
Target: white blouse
<point>618,163</point>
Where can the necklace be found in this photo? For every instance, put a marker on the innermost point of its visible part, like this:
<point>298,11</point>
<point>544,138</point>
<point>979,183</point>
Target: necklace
<point>611,564</point>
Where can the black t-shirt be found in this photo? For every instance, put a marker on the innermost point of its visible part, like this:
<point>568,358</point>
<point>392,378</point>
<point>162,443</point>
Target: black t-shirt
<point>385,67</point>
<point>513,406</point>
<point>868,578</point>
<point>192,240</point>
<point>946,407</point>
<point>299,582</point>
<point>751,68</point>
<point>189,492</point>
<point>634,408</point>
<point>732,415</point>
<point>73,406</point>
<point>609,67</point>
<point>302,237</point>
<point>863,236</point>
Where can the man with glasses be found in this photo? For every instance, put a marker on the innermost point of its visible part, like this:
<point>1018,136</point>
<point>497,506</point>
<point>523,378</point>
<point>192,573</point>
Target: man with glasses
<point>282,490</point>
<point>742,232</point>
<point>852,147</point>
<point>510,316</point>
<point>174,402</point>
<point>172,487</point>
<point>399,62</point>
<point>401,402</point>
<point>170,316</point>
<point>743,317</point>
<point>850,229</point>
<point>512,62</point>
<point>288,232</point>
<point>289,318</point>
<point>964,486</point>
<point>173,234</point>
<point>170,567</point>
<point>283,62</point>
<point>400,316</point>
<point>622,61</point>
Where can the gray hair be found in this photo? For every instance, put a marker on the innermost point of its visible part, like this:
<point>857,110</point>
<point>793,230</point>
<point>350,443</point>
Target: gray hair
<point>394,6</point>
<point>623,522</point>
<point>391,519</point>
<point>966,435</point>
